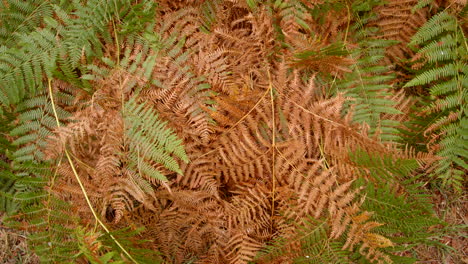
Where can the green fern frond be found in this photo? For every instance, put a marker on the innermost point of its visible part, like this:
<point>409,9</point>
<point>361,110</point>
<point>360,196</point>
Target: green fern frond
<point>428,76</point>
<point>135,16</point>
<point>368,85</point>
<point>382,167</point>
<point>311,244</point>
<point>150,141</point>
<point>60,48</point>
<point>442,88</point>
<point>48,219</point>
<point>443,49</point>
<point>83,34</point>
<point>421,4</point>
<point>8,189</point>
<point>51,229</point>
<point>88,32</point>
<point>295,10</point>
<point>407,218</point>
<point>21,71</point>
<point>444,75</point>
<point>452,169</point>
<point>129,239</point>
<point>21,17</point>
<point>36,122</point>
<point>208,10</point>
<point>407,214</point>
<point>317,247</point>
<point>368,88</point>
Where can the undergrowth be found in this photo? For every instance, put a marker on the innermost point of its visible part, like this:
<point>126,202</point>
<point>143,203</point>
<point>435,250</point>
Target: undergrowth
<point>224,131</point>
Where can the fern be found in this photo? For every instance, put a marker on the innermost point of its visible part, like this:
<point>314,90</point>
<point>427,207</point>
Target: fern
<point>51,228</point>
<point>261,97</point>
<point>407,215</point>
<point>36,122</point>
<point>400,220</point>
<point>7,177</point>
<point>22,70</point>
<point>56,234</point>
<point>21,17</point>
<point>444,74</point>
<point>311,245</point>
<point>7,189</point>
<point>368,84</point>
<point>150,141</point>
<point>384,167</point>
<point>45,217</point>
<point>60,48</point>
<point>52,51</point>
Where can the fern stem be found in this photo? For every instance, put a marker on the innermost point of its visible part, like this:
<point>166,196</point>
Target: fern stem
<point>322,153</point>
<point>83,190</point>
<point>49,193</point>
<point>116,43</point>
<point>273,146</point>
<point>347,25</point>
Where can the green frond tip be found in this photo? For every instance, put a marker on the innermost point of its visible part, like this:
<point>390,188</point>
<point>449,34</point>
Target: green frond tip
<point>150,141</point>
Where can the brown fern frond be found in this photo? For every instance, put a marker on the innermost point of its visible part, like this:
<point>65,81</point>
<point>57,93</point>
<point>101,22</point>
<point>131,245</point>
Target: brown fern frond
<point>214,67</point>
<point>192,233</point>
<point>360,231</point>
<point>397,22</point>
<point>174,5</point>
<point>215,254</point>
<point>201,174</point>
<point>318,124</point>
<point>318,194</point>
<point>335,65</point>
<point>241,248</point>
<point>249,209</point>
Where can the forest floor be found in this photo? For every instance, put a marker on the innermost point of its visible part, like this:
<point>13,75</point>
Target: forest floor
<point>454,211</point>
<point>13,246</point>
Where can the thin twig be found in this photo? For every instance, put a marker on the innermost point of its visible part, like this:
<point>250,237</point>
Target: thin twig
<point>273,145</point>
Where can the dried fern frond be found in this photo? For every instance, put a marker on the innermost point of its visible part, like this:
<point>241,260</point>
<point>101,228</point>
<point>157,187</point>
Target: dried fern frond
<point>194,234</point>
<point>241,248</point>
<point>397,21</point>
<point>360,231</point>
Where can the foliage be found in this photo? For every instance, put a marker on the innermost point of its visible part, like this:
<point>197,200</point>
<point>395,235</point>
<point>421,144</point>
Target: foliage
<point>229,131</point>
<point>369,82</point>
<point>146,135</point>
<point>443,73</point>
